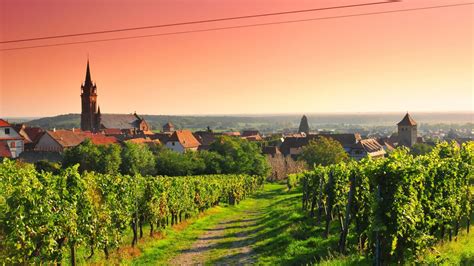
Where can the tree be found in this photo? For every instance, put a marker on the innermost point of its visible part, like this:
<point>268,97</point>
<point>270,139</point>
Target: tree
<point>240,156</point>
<point>103,159</point>
<point>212,162</point>
<point>420,149</point>
<point>323,151</point>
<point>110,160</point>
<point>86,154</point>
<point>137,159</point>
<point>172,163</point>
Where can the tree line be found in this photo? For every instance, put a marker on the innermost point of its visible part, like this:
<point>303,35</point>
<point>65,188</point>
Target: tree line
<point>227,155</point>
<point>43,215</point>
<point>393,208</point>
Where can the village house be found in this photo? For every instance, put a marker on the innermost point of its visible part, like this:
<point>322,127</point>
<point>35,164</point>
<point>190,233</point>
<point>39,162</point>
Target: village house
<point>251,135</point>
<point>30,135</point>
<point>11,143</point>
<point>352,143</point>
<point>367,148</point>
<point>169,127</point>
<point>293,146</point>
<point>60,140</point>
<point>182,141</point>
<point>232,134</point>
<point>386,144</point>
<point>206,138</point>
<point>146,141</point>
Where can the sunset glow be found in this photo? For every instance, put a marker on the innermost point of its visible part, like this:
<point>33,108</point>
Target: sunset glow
<point>417,61</point>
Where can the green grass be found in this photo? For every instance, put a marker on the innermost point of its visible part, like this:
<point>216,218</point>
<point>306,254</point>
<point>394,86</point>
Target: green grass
<point>460,252</point>
<point>161,251</point>
<point>283,234</point>
<point>279,233</point>
<point>163,246</point>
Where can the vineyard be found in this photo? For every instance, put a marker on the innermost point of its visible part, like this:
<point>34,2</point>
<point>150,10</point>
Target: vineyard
<point>387,211</point>
<point>392,209</point>
<point>43,216</point>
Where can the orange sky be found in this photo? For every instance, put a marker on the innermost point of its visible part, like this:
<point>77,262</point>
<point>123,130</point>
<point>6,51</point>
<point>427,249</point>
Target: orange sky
<point>416,61</point>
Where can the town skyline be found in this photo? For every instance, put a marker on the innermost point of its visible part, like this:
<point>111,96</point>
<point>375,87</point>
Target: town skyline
<point>423,63</point>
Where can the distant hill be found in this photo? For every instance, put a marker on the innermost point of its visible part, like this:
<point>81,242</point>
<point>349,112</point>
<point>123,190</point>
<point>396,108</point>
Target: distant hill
<point>61,121</point>
<point>269,123</point>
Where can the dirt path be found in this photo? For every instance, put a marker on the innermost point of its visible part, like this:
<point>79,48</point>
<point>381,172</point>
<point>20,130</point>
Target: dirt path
<point>227,243</point>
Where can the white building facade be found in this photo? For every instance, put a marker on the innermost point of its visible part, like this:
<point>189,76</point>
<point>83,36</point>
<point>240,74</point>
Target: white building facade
<point>11,138</point>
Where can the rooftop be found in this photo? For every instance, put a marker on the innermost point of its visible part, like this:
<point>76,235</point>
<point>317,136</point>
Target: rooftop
<point>407,121</point>
<point>186,138</point>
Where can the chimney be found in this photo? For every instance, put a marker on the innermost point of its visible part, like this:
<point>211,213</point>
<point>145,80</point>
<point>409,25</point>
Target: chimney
<point>54,129</point>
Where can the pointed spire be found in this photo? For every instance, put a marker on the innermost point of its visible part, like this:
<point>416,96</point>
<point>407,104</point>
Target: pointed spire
<point>98,110</point>
<point>304,126</point>
<point>88,80</point>
<point>407,121</point>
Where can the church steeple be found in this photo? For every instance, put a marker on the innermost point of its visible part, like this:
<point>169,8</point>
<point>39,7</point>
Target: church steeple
<point>88,81</point>
<point>90,119</point>
<point>304,126</point>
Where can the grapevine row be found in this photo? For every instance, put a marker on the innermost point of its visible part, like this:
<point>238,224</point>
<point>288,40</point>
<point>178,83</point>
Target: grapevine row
<point>43,215</point>
<point>394,207</point>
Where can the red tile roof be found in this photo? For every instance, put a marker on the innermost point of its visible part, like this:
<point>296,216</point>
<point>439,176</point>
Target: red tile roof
<point>33,133</point>
<point>235,133</point>
<point>248,133</point>
<point>99,139</point>
<point>5,150</point>
<point>345,139</point>
<point>69,138</point>
<point>112,131</point>
<point>186,138</point>
<point>143,140</point>
<point>253,138</point>
<point>371,145</point>
<point>4,123</point>
<point>206,138</point>
<point>20,129</point>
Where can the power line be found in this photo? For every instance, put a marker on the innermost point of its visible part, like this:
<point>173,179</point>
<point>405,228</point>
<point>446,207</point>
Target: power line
<point>197,22</point>
<point>241,26</point>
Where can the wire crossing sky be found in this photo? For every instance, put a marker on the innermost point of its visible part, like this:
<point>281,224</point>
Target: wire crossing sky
<point>213,29</point>
<point>412,55</point>
<point>198,22</point>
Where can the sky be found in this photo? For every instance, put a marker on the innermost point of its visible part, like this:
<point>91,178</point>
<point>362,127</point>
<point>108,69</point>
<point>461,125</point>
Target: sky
<point>397,62</point>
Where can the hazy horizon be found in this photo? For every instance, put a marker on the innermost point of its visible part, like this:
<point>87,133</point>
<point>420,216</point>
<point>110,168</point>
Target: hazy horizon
<point>467,112</point>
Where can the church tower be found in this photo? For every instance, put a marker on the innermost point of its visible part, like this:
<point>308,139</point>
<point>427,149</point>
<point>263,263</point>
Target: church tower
<point>407,131</point>
<point>304,126</point>
<point>90,118</point>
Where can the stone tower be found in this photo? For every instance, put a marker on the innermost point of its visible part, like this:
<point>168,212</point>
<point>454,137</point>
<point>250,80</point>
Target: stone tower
<point>407,131</point>
<point>304,126</point>
<point>90,117</point>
